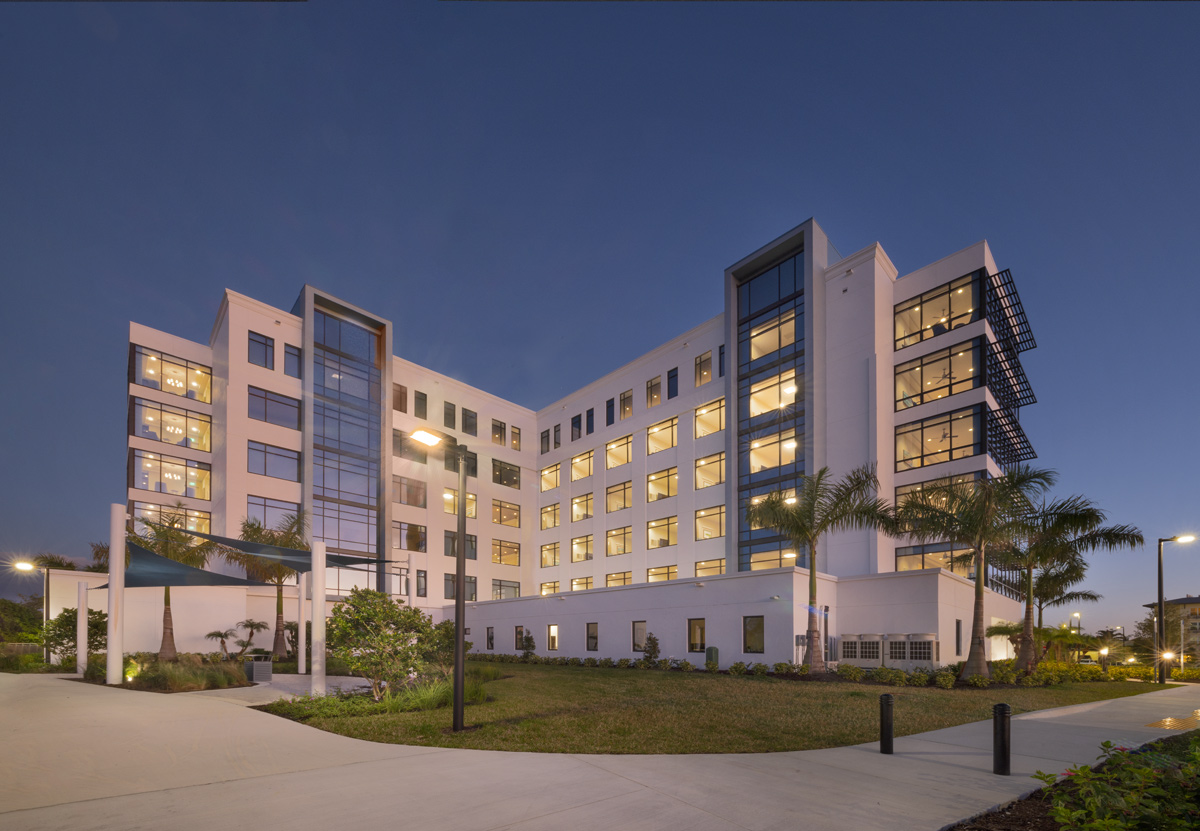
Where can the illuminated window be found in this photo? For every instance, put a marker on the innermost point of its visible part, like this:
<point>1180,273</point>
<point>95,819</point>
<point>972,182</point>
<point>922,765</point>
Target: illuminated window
<point>549,588</point>
<point>710,523</point>
<point>450,502</point>
<point>662,436</point>
<point>506,513</point>
<point>618,452</point>
<point>498,432</point>
<point>939,374</point>
<point>549,477</point>
<point>626,404</point>
<point>171,425</point>
<point>661,574</point>
<point>581,507</point>
<point>550,516</point>
<point>941,438</point>
<point>506,553</point>
<point>662,484</point>
<point>581,466</point>
<point>940,310</point>
<point>710,568</point>
<point>695,627</point>
<point>772,451</point>
<point>773,394</point>
<point>620,578</point>
<point>618,541</point>
<point>581,549</point>
<point>773,335</point>
<point>654,392</point>
<point>160,371</point>
<point>618,497</point>
<point>579,584</point>
<point>515,435</point>
<point>549,554</point>
<point>704,368</point>
<point>710,470</point>
<point>710,418</point>
<point>188,518</point>
<point>661,533</point>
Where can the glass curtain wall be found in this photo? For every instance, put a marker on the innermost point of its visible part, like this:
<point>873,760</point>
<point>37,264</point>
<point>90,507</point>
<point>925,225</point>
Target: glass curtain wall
<point>770,401</point>
<point>346,429</point>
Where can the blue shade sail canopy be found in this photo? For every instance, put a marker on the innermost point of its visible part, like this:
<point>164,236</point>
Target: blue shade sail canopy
<point>149,570</point>
<point>293,558</point>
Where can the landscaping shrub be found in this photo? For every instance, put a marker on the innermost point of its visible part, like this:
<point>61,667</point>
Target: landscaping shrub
<point>624,663</point>
<point>712,666</point>
<point>590,662</point>
<point>849,672</point>
<point>889,675</point>
<point>663,664</point>
<point>528,645</point>
<point>184,676</point>
<point>944,680</point>
<point>383,641</point>
<point>1126,672</point>
<point>574,662</point>
<point>1185,675</point>
<point>758,669</point>
<point>650,648</point>
<point>685,666</point>
<point>737,669</point>
<point>1155,787</point>
<point>23,663</point>
<point>980,681</point>
<point>485,674</point>
<point>59,634</point>
<point>1004,672</point>
<point>642,663</point>
<point>919,678</point>
<point>606,663</point>
<point>789,668</point>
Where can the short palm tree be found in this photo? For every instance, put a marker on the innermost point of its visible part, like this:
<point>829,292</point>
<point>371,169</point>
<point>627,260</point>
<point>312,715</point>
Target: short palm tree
<point>252,627</point>
<point>222,636</point>
<point>1053,587</point>
<point>980,515</point>
<point>822,505</point>
<point>1060,533</point>
<point>170,539</point>
<point>290,532</point>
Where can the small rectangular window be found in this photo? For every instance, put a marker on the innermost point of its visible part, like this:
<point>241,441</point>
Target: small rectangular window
<point>581,507</point>
<point>422,583</point>
<point>626,404</point>
<point>581,549</point>
<point>449,415</point>
<point>550,555</point>
<point>654,392</point>
<point>268,460</point>
<point>400,398</point>
<point>549,587</point>
<point>450,541</point>
<point>639,636</point>
<point>710,523</point>
<point>591,421</point>
<point>550,517</point>
<point>593,637</point>
<point>450,502</point>
<point>519,631</point>
<point>552,637</point>
<point>505,474</point>
<point>618,497</point>
<point>662,484</point>
<point>470,592</point>
<point>696,634</point>
<point>450,462</point>
<point>579,584</point>
<point>516,438</point>
<point>610,409</point>
<point>408,448</point>
<point>662,436</point>
<point>470,424</point>
<point>754,640</point>
<point>420,404</point>
<point>506,553</point>
<point>274,408</point>
<point>505,589</point>
<point>545,441</point>
<point>261,350</point>
<point>408,536</point>
<point>618,452</point>
<point>549,477</point>
<point>499,432</point>
<point>710,418</point>
<point>704,368</point>
<point>491,638</point>
<point>557,436</point>
<point>292,361</point>
<point>618,541</point>
<point>958,637</point>
<point>721,362</point>
<point>710,568</point>
<point>673,383</point>
<point>576,427</point>
<point>662,574</point>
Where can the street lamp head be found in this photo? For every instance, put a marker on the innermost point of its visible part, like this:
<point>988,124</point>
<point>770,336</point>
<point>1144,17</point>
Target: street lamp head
<point>1168,656</point>
<point>1075,614</point>
<point>426,438</point>
<point>22,565</point>
<point>1104,650</point>
<point>1186,538</point>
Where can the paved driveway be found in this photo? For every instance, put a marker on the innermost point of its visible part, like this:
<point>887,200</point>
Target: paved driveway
<point>79,756</point>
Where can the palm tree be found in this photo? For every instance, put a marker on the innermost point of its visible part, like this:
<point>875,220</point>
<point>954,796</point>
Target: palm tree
<point>251,626</point>
<point>1060,532</point>
<point>222,636</point>
<point>979,514</point>
<point>55,561</point>
<point>1052,587</point>
<point>169,538</point>
<point>289,532</point>
<point>820,506</point>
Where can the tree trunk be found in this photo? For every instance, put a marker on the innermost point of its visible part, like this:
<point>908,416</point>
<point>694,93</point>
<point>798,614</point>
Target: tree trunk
<point>166,651</point>
<point>279,650</point>
<point>1026,653</point>
<point>815,658</point>
<point>976,663</point>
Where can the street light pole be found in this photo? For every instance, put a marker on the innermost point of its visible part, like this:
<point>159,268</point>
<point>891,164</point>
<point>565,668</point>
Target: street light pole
<point>1161,626</point>
<point>460,589</point>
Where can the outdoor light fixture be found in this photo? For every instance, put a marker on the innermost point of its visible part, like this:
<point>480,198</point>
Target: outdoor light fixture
<point>23,566</point>
<point>1167,656</point>
<point>1160,626</point>
<point>426,438</point>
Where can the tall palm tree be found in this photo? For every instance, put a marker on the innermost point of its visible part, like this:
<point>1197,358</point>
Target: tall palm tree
<point>980,515</point>
<point>169,538</point>
<point>822,505</point>
<point>290,532</point>
<point>1060,532</point>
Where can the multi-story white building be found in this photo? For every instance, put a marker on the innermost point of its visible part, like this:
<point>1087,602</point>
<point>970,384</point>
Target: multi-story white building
<point>618,509</point>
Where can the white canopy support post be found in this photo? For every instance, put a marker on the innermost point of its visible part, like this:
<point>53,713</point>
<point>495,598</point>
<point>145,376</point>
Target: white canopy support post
<point>318,618</point>
<point>302,634</point>
<point>81,630</point>
<point>115,665</point>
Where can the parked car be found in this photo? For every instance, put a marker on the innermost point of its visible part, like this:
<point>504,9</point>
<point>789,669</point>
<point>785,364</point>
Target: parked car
<point>1086,660</point>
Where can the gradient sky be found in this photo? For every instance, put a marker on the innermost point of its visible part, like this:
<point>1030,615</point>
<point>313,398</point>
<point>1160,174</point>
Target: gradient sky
<point>536,194</point>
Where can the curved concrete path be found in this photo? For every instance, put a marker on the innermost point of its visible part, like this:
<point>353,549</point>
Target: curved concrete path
<point>79,756</point>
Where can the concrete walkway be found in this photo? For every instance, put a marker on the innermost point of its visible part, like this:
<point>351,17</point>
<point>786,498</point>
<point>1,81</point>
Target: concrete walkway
<point>79,756</point>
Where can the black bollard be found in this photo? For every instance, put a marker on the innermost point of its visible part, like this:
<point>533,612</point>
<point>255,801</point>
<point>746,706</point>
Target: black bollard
<point>1001,740</point>
<point>885,723</point>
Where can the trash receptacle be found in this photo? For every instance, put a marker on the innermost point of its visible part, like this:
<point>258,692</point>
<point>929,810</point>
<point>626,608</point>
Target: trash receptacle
<point>258,669</point>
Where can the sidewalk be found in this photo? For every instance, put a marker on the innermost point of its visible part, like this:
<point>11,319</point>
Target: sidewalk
<point>79,756</point>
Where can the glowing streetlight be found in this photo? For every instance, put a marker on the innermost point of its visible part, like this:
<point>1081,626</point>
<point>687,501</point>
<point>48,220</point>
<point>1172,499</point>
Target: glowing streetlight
<point>21,565</point>
<point>1160,627</point>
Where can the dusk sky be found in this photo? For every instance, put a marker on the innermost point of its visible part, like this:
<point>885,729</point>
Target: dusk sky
<point>536,194</point>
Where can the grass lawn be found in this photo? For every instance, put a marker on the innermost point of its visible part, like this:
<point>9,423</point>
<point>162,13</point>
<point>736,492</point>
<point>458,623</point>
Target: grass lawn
<point>552,709</point>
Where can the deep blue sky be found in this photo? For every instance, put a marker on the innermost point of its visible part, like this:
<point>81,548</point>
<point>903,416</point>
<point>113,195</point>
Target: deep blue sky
<point>536,194</point>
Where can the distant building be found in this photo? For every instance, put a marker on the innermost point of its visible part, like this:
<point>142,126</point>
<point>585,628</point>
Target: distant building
<point>616,510</point>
